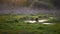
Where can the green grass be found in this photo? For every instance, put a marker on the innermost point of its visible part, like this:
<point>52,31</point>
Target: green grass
<point>8,25</point>
<point>26,28</point>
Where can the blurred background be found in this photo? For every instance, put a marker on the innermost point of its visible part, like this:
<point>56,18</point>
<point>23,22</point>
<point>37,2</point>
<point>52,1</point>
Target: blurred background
<point>18,16</point>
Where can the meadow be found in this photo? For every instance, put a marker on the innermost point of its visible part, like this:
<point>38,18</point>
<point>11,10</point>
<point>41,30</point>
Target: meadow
<point>14,24</point>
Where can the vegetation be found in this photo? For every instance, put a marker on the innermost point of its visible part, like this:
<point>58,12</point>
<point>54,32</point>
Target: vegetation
<point>14,24</point>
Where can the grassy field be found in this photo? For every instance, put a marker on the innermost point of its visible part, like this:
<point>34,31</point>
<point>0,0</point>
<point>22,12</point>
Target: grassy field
<point>14,24</point>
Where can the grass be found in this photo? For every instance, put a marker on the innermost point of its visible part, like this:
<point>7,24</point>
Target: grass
<point>25,28</point>
<point>20,27</point>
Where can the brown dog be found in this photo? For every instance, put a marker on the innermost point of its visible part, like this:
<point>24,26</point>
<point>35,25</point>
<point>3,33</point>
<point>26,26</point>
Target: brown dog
<point>36,19</point>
